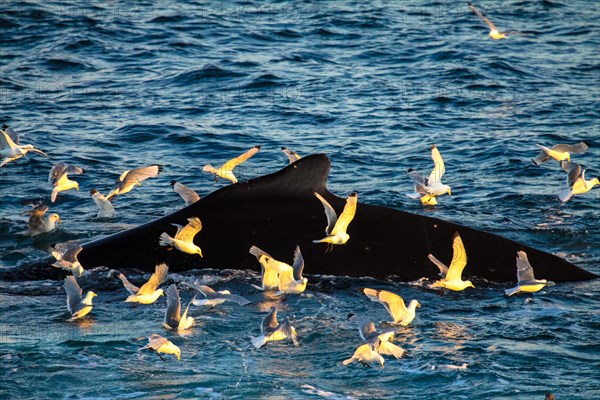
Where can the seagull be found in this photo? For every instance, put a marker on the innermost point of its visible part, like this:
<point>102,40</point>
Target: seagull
<point>160,344</point>
<point>14,136</point>
<point>59,178</point>
<point>526,281</point>
<point>336,227</point>
<point>105,207</point>
<point>576,182</point>
<point>173,318</point>
<point>225,171</point>
<point>368,333</point>
<point>290,278</point>
<point>559,152</point>
<point>394,305</point>
<point>292,155</point>
<point>494,33</point>
<point>188,195</point>
<point>130,178</point>
<point>453,275</point>
<point>270,269</point>
<point>366,354</point>
<point>39,224</point>
<point>11,150</point>
<point>66,256</point>
<point>271,330</point>
<point>427,189</point>
<point>213,298</point>
<point>149,292</point>
<point>77,306</point>
<point>184,238</point>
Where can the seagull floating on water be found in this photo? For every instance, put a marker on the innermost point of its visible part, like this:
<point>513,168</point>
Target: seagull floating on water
<point>77,306</point>
<point>66,256</point>
<point>59,178</point>
<point>225,171</point>
<point>394,305</point>
<point>494,33</point>
<point>452,275</point>
<point>427,189</point>
<point>173,318</point>
<point>130,178</point>
<point>105,207</point>
<point>559,152</point>
<point>160,344</point>
<point>526,281</point>
<point>38,223</point>
<point>270,269</point>
<point>213,298</point>
<point>292,155</point>
<point>367,354</point>
<point>336,227</point>
<point>188,195</point>
<point>149,292</point>
<point>271,330</point>
<point>10,148</point>
<point>184,237</point>
<point>576,182</point>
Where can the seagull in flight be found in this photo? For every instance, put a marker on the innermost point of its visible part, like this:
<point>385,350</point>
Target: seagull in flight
<point>12,150</point>
<point>188,195</point>
<point>427,189</point>
<point>526,281</point>
<point>368,333</point>
<point>394,305</point>
<point>452,275</point>
<point>160,344</point>
<point>213,298</point>
<point>225,171</point>
<point>77,306</point>
<point>66,257</point>
<point>184,237</point>
<point>494,32</point>
<point>336,227</point>
<point>59,178</point>
<point>576,182</point>
<point>149,292</point>
<point>559,152</point>
<point>291,280</point>
<point>271,330</point>
<point>173,317</point>
<point>130,178</point>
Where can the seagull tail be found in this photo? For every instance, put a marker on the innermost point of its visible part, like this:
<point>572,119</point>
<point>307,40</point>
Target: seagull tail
<point>565,195</point>
<point>348,361</point>
<point>259,342</point>
<point>165,239</point>
<point>131,299</point>
<point>511,291</point>
<point>54,195</point>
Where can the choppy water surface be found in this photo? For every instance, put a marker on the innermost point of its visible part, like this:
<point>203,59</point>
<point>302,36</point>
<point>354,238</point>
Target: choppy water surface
<point>113,85</point>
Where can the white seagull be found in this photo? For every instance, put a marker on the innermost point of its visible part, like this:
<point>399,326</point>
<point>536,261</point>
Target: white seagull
<point>38,223</point>
<point>270,269</point>
<point>394,305</point>
<point>559,152</point>
<point>526,281</point>
<point>271,330</point>
<point>494,33</point>
<point>427,189</point>
<point>292,155</point>
<point>576,182</point>
<point>291,280</point>
<point>225,171</point>
<point>59,178</point>
<point>105,207</point>
<point>184,237</point>
<point>66,256</point>
<point>149,292</point>
<point>173,318</point>
<point>366,354</point>
<point>188,195</point>
<point>213,298</point>
<point>11,150</point>
<point>130,178</point>
<point>368,333</point>
<point>160,344</point>
<point>77,306</point>
<point>336,227</point>
<point>452,275</point>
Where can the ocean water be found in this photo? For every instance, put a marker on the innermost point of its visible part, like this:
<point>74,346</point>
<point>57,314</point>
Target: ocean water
<point>115,85</point>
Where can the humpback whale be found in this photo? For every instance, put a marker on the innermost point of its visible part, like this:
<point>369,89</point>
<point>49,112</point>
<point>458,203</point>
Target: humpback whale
<point>279,211</point>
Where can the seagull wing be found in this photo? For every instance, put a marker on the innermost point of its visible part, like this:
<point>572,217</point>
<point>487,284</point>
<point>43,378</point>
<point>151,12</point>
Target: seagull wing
<point>156,341</point>
<point>443,268</point>
<point>187,194</point>
<point>292,155</point>
<point>157,278</point>
<point>438,166</point>
<point>140,174</point>
<point>269,323</point>
<point>173,312</point>
<point>6,141</point>
<point>394,304</point>
<point>56,172</point>
<point>188,232</point>
<point>131,288</point>
<point>483,17</point>
<point>571,148</point>
<point>329,213</point>
<point>205,290</point>
<point>347,215</point>
<point>288,331</point>
<point>574,174</point>
<point>74,293</point>
<point>102,202</point>
<point>366,329</point>
<point>14,136</point>
<point>298,265</point>
<point>234,162</point>
<point>541,157</point>
<point>71,250</point>
<point>524,269</point>
<point>459,259</point>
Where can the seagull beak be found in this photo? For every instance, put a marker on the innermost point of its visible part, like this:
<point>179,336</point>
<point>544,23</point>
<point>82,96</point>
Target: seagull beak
<point>449,192</point>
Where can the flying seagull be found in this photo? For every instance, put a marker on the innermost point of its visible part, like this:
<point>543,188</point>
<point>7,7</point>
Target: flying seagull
<point>213,298</point>
<point>11,150</point>
<point>394,305</point>
<point>160,344</point>
<point>173,317</point>
<point>271,330</point>
<point>188,195</point>
<point>526,281</point>
<point>559,152</point>
<point>427,189</point>
<point>225,171</point>
<point>336,227</point>
<point>452,275</point>
<point>184,237</point>
<point>130,178</point>
<point>149,292</point>
<point>59,178</point>
<point>77,306</point>
<point>105,207</point>
<point>494,33</point>
<point>576,182</point>
<point>66,257</point>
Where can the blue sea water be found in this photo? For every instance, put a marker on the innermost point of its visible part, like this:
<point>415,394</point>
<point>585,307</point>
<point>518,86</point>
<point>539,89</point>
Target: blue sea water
<point>115,85</point>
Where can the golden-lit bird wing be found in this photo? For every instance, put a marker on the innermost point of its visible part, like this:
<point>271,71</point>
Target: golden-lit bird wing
<point>188,232</point>
<point>234,162</point>
<point>347,215</point>
<point>158,277</point>
<point>329,213</point>
<point>394,304</point>
<point>483,17</point>
<point>6,141</point>
<point>438,166</point>
<point>571,148</point>
<point>459,259</point>
<point>139,174</point>
<point>524,269</point>
<point>442,267</point>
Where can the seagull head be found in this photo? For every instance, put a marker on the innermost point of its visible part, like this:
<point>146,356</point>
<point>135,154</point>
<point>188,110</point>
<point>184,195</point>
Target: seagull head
<point>54,218</point>
<point>469,284</point>
<point>449,191</point>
